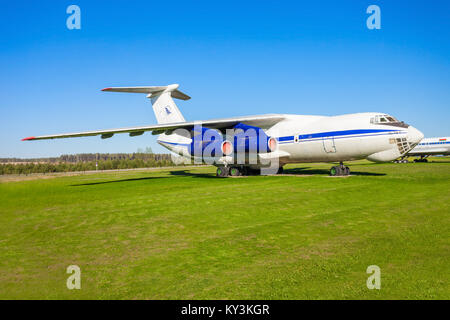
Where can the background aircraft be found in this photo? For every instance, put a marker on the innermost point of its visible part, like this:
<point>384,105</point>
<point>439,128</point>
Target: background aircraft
<point>241,145</point>
<point>429,147</point>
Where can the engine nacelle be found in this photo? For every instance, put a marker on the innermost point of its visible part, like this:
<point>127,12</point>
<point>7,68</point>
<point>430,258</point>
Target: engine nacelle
<point>207,142</point>
<point>250,139</point>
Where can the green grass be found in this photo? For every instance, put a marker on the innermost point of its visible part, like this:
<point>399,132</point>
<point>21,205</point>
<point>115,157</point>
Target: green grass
<point>184,234</point>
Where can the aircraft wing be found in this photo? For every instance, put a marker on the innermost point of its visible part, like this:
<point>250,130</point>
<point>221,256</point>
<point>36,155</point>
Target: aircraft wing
<point>262,121</point>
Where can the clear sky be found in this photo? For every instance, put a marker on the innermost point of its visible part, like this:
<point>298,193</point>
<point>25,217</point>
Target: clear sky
<point>232,57</point>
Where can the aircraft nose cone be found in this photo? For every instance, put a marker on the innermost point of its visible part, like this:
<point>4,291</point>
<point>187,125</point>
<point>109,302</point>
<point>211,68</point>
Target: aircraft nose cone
<point>414,135</point>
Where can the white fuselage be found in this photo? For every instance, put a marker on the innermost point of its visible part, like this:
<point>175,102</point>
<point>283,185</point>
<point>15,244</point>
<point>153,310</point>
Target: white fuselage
<point>329,139</point>
<point>432,146</point>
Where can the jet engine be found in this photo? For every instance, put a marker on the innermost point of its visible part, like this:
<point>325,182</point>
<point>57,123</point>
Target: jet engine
<point>244,139</point>
<point>250,139</point>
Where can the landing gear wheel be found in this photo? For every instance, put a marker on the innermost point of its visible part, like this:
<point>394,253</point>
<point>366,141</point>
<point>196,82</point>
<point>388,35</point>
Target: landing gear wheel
<point>340,170</point>
<point>335,171</point>
<point>234,172</point>
<point>222,172</point>
<point>280,170</point>
<point>346,171</point>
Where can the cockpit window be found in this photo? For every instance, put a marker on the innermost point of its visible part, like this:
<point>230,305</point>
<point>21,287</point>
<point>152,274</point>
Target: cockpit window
<point>383,119</point>
<point>391,119</point>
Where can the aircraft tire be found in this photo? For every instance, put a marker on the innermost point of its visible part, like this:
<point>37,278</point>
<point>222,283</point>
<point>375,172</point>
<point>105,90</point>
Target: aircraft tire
<point>222,172</point>
<point>234,172</point>
<point>335,171</point>
<point>346,171</point>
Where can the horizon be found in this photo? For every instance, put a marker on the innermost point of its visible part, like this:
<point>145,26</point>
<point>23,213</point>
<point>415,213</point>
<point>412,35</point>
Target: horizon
<point>296,58</point>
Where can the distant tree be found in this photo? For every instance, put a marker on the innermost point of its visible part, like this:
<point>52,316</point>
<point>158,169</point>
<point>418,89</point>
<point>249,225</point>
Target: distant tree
<point>149,150</point>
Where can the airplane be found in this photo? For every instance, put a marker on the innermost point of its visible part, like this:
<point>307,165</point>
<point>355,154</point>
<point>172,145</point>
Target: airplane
<point>263,144</point>
<point>428,147</point>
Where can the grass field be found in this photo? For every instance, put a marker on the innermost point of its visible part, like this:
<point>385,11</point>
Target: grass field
<point>185,234</point>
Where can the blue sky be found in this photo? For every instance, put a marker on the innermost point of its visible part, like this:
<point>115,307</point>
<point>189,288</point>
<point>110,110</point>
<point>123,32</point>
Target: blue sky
<point>232,57</point>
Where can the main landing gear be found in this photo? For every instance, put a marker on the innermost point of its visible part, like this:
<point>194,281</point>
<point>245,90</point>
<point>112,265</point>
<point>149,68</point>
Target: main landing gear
<point>340,170</point>
<point>230,171</point>
<point>236,171</point>
<point>222,172</point>
<point>422,159</point>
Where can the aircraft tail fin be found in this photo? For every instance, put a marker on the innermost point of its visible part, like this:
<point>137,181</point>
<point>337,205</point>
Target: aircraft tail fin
<point>166,111</point>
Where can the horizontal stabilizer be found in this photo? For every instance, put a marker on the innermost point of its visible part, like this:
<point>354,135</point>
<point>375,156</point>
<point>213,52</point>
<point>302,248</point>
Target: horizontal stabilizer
<point>152,91</point>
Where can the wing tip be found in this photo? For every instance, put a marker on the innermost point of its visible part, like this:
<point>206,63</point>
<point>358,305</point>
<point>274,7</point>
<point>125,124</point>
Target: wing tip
<point>28,138</point>
<point>106,89</point>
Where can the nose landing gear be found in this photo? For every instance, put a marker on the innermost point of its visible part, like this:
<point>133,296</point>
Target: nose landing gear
<point>401,160</point>
<point>339,170</point>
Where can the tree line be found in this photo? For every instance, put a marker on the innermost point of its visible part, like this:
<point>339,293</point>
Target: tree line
<point>84,162</point>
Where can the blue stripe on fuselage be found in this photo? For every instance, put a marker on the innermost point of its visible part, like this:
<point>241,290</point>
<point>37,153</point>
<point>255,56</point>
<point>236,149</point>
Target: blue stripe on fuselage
<point>342,133</point>
<point>282,139</point>
<point>328,134</point>
<point>337,135</point>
